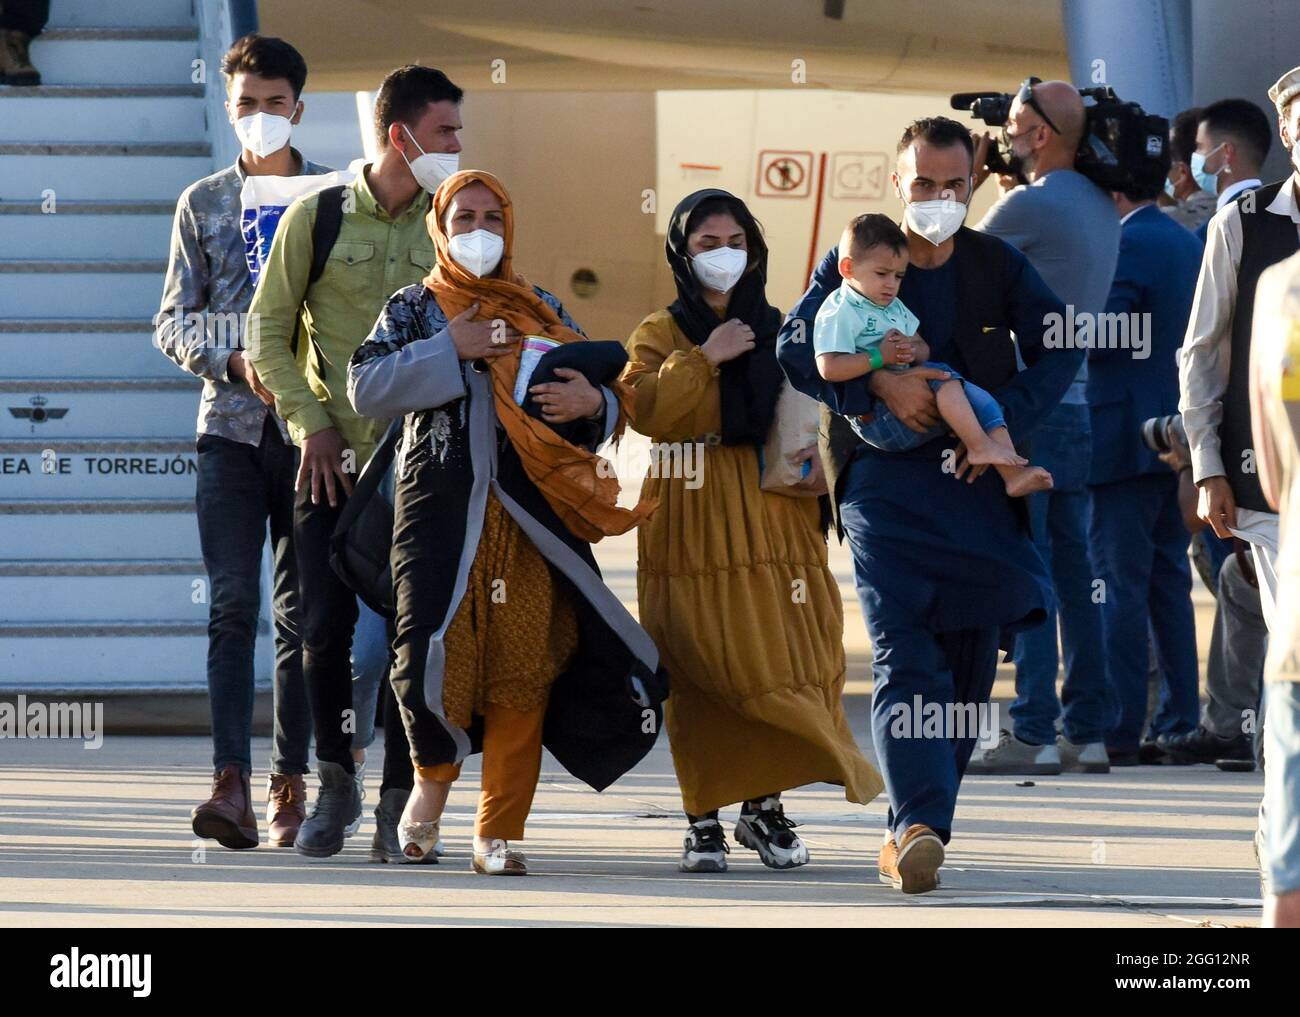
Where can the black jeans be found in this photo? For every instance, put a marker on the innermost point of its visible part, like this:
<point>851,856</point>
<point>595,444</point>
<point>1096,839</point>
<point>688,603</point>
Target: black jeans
<point>399,768</point>
<point>240,489</point>
<point>329,616</point>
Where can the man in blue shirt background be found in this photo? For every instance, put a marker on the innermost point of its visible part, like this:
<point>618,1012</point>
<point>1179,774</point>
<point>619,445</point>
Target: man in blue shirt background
<point>1138,538</point>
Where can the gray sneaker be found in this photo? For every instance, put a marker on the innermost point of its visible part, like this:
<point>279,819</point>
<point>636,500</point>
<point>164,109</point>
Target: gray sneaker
<point>1012,756</point>
<point>1087,758</point>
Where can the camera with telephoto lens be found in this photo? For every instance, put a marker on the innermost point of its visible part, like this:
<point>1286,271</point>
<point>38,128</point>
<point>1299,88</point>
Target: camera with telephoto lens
<point>1123,147</point>
<point>1163,434</point>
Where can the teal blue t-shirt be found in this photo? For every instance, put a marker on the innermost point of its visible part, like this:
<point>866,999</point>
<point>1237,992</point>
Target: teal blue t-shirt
<point>848,322</point>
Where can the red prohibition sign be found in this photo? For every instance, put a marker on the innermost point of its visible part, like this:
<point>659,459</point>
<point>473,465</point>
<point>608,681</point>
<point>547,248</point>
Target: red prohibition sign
<point>784,174</point>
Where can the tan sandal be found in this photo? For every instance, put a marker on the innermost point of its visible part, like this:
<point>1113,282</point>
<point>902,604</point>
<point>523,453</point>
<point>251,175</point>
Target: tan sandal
<point>502,860</point>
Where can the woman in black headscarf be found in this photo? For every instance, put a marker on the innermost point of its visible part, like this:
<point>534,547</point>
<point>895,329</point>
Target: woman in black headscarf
<point>732,580</point>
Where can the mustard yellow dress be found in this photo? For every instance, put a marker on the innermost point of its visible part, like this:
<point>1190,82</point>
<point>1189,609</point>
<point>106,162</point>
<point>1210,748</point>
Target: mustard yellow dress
<point>735,590</point>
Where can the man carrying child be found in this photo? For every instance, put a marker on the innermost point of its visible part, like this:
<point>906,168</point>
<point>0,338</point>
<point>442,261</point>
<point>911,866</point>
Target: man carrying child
<point>943,571</point>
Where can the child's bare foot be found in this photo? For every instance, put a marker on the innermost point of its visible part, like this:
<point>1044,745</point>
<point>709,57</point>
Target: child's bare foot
<point>993,454</point>
<point>1023,480</point>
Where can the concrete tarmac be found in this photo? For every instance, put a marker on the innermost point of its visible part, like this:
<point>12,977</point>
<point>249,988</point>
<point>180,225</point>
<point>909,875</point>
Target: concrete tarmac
<point>102,838</point>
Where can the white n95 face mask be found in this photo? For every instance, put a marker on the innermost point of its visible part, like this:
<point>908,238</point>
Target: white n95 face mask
<point>935,220</point>
<point>721,268</point>
<point>478,253</point>
<point>263,133</point>
<point>430,168</point>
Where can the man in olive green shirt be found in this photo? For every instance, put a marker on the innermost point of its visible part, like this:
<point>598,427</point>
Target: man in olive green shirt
<point>382,246</point>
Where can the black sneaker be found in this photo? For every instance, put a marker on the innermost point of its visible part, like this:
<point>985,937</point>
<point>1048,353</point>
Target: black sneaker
<point>705,848</point>
<point>1151,753</point>
<point>1204,746</point>
<point>771,834</point>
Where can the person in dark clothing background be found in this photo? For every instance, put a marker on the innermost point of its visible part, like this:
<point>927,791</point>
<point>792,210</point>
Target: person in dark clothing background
<point>20,22</point>
<point>1136,532</point>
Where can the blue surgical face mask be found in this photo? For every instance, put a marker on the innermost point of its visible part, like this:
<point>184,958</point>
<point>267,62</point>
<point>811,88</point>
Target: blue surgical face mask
<point>1206,180</point>
<point>1169,189</point>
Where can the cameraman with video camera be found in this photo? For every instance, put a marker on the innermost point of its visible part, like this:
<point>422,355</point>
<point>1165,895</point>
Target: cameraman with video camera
<point>1068,229</point>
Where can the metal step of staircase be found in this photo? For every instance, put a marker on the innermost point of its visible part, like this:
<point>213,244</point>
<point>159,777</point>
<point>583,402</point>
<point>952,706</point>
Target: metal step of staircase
<point>71,348</point>
<point>120,287</point>
<point>126,13</point>
<point>123,54</point>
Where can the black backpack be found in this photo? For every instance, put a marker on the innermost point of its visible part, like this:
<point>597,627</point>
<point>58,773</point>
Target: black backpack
<point>324,231</point>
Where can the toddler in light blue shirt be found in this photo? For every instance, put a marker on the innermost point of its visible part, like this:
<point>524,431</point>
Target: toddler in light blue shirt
<point>863,327</point>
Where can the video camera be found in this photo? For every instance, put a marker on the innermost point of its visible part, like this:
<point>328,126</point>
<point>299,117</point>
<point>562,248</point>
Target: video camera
<point>1123,147</point>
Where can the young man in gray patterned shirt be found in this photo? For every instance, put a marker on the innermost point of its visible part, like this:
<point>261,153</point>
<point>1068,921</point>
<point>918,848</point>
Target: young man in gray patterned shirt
<point>246,463</point>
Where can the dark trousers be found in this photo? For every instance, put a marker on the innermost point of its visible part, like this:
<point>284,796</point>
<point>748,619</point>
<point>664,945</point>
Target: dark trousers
<point>418,558</point>
<point>240,490</point>
<point>1139,545</point>
<point>27,16</point>
<point>1059,521</point>
<point>399,770</point>
<point>913,667</point>
<point>329,613</point>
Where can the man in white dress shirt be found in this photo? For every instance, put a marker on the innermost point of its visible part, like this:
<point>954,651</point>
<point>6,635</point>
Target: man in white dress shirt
<point>1253,229</point>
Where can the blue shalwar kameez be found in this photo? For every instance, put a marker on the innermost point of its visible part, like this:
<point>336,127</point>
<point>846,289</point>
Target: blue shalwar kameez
<point>944,569</point>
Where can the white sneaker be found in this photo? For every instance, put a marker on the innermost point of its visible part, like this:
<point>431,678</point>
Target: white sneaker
<point>1088,758</point>
<point>1012,756</point>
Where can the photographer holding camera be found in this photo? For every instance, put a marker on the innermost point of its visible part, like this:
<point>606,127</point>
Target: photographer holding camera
<point>1068,229</point>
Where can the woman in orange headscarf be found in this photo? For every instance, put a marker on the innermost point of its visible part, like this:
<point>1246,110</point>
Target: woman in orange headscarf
<point>507,638</point>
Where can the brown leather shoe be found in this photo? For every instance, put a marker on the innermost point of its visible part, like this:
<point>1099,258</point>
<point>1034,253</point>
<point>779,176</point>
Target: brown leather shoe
<point>15,59</point>
<point>227,817</point>
<point>913,864</point>
<point>286,807</point>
